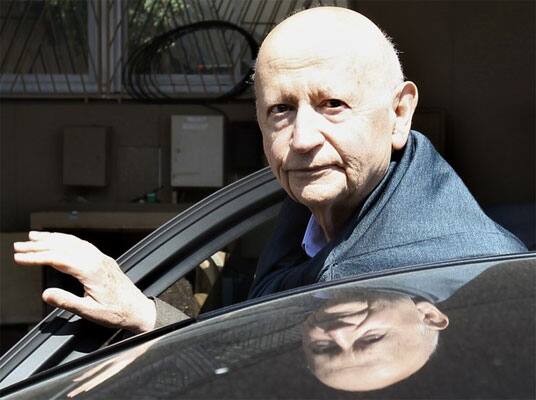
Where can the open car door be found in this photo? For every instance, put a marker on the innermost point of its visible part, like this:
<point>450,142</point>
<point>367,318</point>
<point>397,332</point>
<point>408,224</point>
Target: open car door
<point>154,264</point>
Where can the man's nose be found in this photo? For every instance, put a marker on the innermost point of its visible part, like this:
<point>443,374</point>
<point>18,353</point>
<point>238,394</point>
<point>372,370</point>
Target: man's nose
<point>344,335</point>
<point>306,134</point>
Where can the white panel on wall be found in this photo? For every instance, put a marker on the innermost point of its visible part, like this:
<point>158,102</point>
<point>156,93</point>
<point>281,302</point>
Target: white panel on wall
<point>197,150</point>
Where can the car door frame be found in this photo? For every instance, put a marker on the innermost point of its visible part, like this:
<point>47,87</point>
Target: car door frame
<point>153,264</point>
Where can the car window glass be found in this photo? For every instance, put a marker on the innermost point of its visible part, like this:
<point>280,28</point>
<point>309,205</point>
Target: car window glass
<point>222,279</point>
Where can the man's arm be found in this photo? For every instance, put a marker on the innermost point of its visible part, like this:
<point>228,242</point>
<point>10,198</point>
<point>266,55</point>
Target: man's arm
<point>110,298</point>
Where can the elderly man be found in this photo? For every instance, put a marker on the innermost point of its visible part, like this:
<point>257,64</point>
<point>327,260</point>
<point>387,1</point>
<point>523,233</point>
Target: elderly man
<point>365,193</point>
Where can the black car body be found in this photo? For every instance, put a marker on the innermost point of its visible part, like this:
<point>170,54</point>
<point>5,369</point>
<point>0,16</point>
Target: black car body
<point>259,349</point>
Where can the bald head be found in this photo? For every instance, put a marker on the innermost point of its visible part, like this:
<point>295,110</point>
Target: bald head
<point>325,33</point>
<point>332,106</point>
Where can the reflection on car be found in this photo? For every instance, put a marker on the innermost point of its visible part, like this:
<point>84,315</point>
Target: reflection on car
<point>451,330</point>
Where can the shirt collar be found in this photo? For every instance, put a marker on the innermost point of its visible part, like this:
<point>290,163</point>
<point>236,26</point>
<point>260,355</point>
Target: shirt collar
<point>313,239</point>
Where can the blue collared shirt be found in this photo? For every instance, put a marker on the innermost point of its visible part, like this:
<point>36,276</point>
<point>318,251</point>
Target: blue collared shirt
<point>313,239</point>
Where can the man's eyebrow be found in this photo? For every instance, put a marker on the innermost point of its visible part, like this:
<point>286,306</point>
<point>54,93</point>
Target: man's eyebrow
<point>281,98</point>
<point>333,93</point>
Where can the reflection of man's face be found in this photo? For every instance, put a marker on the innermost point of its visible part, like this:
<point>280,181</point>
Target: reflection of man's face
<point>371,342</point>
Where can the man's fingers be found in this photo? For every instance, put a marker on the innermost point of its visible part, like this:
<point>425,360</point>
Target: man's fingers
<point>29,258</point>
<point>40,241</point>
<point>42,235</point>
<point>54,239</point>
<point>25,247</point>
<point>60,298</point>
<point>48,257</point>
<point>85,307</point>
<point>82,306</point>
<point>56,259</point>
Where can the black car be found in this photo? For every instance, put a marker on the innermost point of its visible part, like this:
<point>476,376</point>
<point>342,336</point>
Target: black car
<point>463,329</point>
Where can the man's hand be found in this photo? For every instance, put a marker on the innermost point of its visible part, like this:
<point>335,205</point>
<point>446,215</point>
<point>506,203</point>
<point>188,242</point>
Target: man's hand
<point>110,298</point>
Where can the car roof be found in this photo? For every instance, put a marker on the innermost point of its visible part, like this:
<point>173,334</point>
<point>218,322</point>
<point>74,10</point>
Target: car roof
<point>488,350</point>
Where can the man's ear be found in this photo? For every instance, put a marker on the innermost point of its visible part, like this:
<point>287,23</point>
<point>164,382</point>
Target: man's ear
<point>431,316</point>
<point>404,104</point>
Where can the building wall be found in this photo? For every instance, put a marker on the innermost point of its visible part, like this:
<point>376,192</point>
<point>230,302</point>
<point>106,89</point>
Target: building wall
<point>475,60</point>
<point>31,155</point>
<point>472,60</point>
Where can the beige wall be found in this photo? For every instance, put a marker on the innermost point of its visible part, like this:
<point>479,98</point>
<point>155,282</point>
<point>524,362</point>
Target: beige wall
<point>473,60</point>
<point>31,151</point>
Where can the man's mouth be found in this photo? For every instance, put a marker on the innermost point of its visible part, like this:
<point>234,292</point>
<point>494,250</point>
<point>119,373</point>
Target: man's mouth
<point>312,170</point>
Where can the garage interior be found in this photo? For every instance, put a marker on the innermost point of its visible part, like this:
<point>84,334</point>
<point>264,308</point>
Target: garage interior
<point>85,150</point>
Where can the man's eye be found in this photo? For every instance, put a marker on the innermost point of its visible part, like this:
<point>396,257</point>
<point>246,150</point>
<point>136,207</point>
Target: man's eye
<point>279,109</point>
<point>333,103</point>
<point>324,347</point>
<point>368,340</point>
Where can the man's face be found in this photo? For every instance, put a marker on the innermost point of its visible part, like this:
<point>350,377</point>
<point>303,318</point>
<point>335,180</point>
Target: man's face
<point>326,130</point>
<point>368,343</point>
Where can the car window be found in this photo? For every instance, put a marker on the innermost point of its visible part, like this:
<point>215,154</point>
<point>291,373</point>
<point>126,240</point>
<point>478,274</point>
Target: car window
<point>222,279</point>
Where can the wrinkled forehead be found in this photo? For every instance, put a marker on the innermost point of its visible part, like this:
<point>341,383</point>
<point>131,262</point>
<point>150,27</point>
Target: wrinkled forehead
<point>284,76</point>
<point>302,52</point>
<point>328,67</point>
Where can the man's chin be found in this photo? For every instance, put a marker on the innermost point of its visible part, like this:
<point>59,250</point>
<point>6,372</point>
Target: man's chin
<point>319,190</point>
<point>314,196</point>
